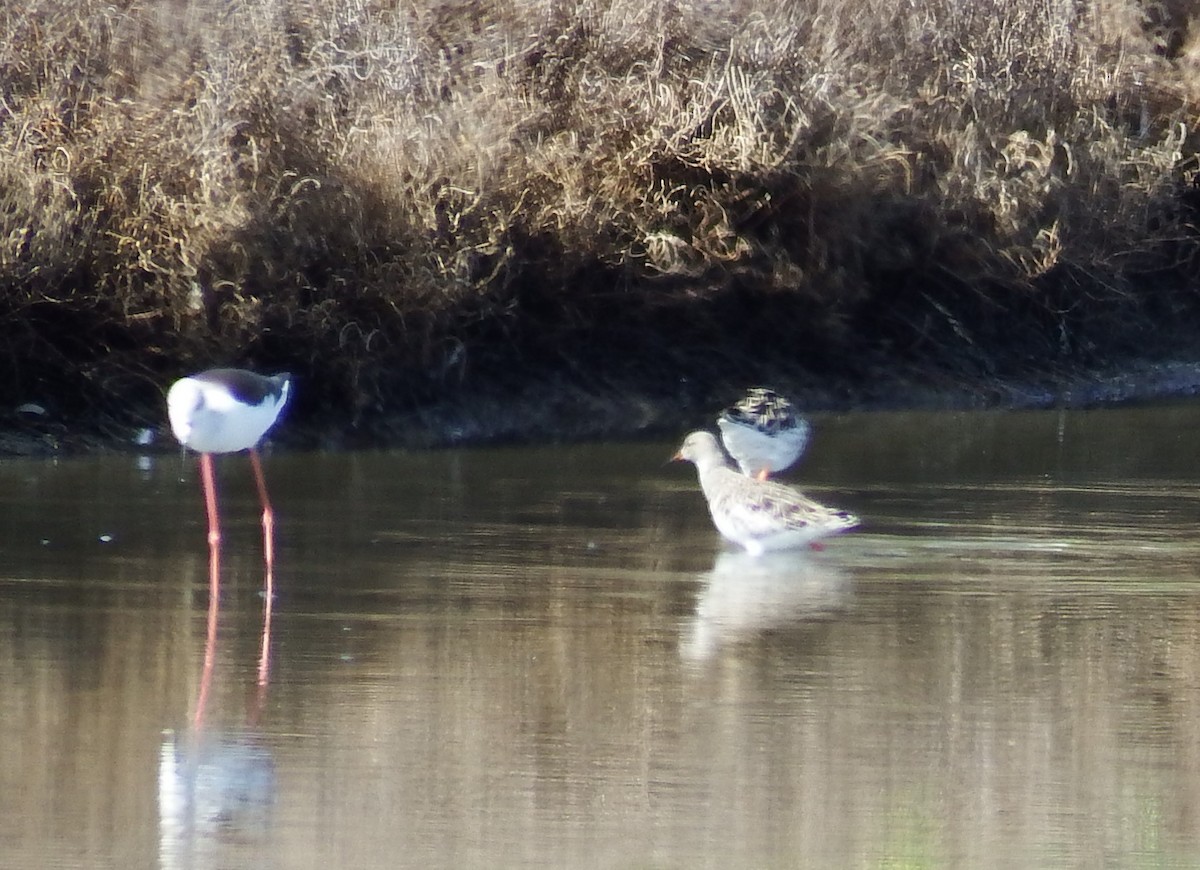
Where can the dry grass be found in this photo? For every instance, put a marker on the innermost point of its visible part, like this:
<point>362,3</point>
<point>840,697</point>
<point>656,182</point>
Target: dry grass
<point>402,196</point>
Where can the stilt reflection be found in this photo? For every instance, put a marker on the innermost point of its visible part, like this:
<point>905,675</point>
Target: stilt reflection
<point>217,783</point>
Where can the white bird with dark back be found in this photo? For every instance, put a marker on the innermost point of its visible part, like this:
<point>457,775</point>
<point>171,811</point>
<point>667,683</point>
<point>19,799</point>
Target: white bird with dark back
<point>759,515</point>
<point>226,411</point>
<point>764,433</point>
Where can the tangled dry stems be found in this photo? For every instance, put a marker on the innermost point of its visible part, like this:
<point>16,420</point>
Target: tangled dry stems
<point>401,196</point>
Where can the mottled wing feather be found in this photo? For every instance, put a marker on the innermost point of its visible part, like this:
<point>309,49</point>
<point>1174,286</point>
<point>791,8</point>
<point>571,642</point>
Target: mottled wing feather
<point>759,510</point>
<point>766,411</point>
<point>763,432</point>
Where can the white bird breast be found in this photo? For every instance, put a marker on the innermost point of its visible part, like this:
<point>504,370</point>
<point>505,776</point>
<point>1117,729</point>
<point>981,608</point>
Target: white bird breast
<point>208,419</point>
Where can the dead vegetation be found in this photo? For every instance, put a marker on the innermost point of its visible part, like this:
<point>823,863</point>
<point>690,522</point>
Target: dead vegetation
<point>395,199</point>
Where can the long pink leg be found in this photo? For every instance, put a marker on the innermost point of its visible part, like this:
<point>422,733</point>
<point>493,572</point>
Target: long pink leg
<point>268,520</point>
<point>268,524</point>
<point>214,582</point>
<point>214,521</point>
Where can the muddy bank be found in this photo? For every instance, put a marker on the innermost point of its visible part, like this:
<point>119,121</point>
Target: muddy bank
<point>567,413</point>
<point>475,222</point>
<point>559,409</point>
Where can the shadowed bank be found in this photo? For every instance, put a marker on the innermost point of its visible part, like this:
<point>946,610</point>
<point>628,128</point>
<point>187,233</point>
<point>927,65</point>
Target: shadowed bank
<point>472,221</point>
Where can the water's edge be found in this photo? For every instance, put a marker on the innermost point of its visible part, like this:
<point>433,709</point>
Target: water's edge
<point>561,412</point>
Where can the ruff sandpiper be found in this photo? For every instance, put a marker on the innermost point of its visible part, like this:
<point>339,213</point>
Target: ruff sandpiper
<point>763,433</point>
<point>759,515</point>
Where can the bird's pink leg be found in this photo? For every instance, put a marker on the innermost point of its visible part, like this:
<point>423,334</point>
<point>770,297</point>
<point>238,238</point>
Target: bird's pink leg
<point>762,474</point>
<point>268,520</point>
<point>208,481</point>
<point>268,523</point>
<point>214,521</point>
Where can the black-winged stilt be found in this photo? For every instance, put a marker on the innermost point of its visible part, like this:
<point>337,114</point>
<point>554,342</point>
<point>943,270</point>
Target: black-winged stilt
<point>226,411</point>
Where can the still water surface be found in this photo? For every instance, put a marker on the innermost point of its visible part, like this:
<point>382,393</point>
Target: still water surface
<point>547,658</point>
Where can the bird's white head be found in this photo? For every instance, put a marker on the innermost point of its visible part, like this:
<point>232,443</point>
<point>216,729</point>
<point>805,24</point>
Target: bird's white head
<point>183,400</point>
<point>701,449</point>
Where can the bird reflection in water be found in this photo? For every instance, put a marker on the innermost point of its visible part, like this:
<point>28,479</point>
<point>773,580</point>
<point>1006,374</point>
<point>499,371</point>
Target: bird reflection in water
<point>217,785</point>
<point>745,596</point>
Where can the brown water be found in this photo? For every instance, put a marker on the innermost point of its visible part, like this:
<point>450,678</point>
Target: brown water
<point>546,658</point>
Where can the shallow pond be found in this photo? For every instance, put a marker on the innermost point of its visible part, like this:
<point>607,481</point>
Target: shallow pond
<point>547,658</point>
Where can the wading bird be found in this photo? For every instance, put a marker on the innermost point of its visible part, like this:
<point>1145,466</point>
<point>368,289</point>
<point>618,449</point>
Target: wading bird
<point>226,411</point>
<point>759,515</point>
<point>763,433</point>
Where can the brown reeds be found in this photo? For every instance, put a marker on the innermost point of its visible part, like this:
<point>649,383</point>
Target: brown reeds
<point>389,198</point>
